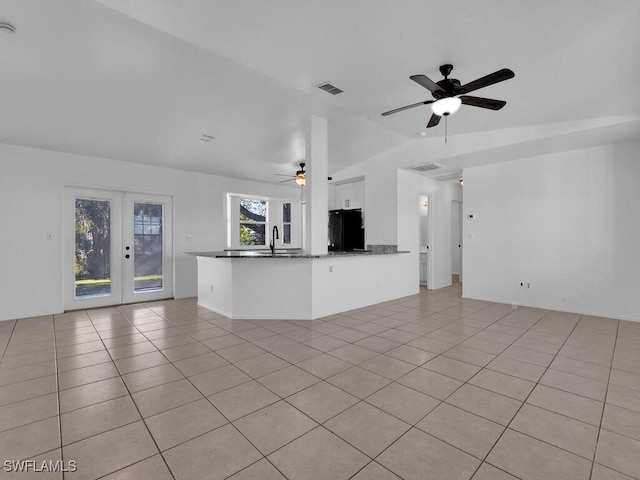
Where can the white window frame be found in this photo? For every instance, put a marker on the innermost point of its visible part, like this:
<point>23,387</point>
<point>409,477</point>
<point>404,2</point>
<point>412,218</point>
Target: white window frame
<point>274,217</point>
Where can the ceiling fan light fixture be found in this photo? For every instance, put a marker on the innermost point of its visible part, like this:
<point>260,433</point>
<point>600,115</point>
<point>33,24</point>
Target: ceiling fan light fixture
<point>446,106</point>
<point>301,175</point>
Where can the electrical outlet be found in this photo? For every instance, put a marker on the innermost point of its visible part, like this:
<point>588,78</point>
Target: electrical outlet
<point>528,285</point>
<point>514,305</point>
<point>189,238</point>
<point>331,269</point>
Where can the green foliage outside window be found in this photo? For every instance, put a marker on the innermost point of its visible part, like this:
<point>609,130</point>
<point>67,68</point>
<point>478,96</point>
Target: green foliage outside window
<point>253,218</point>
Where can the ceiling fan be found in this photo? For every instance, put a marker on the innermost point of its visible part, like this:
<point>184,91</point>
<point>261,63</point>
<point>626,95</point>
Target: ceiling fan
<point>449,94</point>
<point>300,177</point>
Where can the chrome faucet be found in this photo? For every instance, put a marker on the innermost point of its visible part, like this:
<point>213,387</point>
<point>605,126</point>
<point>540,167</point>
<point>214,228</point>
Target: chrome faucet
<point>274,237</point>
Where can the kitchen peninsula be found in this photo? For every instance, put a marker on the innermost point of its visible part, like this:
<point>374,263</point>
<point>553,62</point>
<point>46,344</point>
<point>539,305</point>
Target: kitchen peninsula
<point>295,286</point>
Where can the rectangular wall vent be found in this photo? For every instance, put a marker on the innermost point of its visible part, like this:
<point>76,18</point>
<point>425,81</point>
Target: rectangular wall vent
<point>327,87</point>
<point>425,167</point>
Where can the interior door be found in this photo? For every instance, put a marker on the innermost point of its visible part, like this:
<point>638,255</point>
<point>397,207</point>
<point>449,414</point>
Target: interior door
<point>148,250</point>
<point>118,248</point>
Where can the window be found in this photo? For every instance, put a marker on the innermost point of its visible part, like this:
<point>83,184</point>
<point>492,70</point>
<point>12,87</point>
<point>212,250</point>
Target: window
<point>250,221</point>
<point>253,221</point>
<point>286,223</point>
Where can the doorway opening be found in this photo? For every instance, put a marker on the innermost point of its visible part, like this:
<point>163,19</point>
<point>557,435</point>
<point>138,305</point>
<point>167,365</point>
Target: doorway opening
<point>456,241</point>
<point>425,240</point>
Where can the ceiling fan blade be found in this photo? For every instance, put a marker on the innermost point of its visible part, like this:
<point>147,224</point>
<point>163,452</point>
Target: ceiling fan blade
<point>489,103</point>
<point>426,82</point>
<point>426,102</point>
<point>433,121</point>
<point>285,181</point>
<point>495,77</point>
<point>283,175</point>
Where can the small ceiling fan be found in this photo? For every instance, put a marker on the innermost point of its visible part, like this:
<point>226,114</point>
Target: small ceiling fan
<point>300,177</point>
<point>449,94</point>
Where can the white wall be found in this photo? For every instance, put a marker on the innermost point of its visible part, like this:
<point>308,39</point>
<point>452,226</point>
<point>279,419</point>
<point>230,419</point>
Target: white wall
<point>380,205</point>
<point>31,198</point>
<point>566,223</point>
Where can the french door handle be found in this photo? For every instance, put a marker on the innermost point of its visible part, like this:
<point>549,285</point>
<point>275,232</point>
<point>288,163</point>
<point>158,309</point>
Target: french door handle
<point>127,256</point>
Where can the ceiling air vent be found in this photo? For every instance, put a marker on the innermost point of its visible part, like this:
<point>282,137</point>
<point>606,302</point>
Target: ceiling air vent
<point>327,87</point>
<point>425,167</point>
<point>205,139</point>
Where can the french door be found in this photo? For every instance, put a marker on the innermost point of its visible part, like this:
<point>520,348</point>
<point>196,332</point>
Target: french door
<point>118,248</point>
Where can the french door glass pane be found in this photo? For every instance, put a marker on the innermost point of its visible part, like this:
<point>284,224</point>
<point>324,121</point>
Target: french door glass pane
<point>93,247</point>
<point>148,247</point>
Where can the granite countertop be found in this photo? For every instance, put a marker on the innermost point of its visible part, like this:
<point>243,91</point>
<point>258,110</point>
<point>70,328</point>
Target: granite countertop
<point>287,254</point>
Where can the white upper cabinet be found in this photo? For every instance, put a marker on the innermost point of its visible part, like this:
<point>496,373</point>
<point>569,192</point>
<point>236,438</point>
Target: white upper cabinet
<point>342,195</point>
<point>357,195</point>
<point>349,195</point>
<point>331,197</point>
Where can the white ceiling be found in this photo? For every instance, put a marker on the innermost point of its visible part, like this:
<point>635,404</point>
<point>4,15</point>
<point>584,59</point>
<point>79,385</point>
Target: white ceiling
<point>141,80</point>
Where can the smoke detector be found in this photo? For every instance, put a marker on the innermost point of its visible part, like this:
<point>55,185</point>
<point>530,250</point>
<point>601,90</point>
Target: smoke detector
<point>7,28</point>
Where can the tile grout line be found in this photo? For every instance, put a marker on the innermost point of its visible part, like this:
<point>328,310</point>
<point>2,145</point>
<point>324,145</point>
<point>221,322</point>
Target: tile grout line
<point>604,401</point>
<point>364,399</point>
<point>465,383</point>
<point>128,394</point>
<point>441,401</point>
<point>6,346</point>
<point>139,413</point>
<point>55,359</point>
<point>286,401</point>
<point>229,363</point>
<point>230,423</point>
<point>525,400</point>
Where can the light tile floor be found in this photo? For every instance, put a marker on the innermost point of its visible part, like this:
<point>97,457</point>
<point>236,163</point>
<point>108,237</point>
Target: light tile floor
<point>426,387</point>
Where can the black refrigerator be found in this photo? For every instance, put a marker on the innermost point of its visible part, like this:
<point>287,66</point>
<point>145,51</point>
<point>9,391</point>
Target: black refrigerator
<point>345,230</point>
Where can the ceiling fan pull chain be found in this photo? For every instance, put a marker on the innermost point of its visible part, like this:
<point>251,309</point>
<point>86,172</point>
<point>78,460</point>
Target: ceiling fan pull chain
<point>445,129</point>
